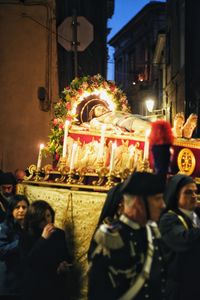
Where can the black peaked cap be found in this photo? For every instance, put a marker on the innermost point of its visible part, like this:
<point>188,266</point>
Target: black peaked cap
<point>143,184</point>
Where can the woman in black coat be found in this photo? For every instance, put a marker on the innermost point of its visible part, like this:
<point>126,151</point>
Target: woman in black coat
<point>44,249</point>
<point>10,232</point>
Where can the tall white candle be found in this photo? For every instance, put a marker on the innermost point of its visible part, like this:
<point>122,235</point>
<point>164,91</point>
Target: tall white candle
<point>146,145</point>
<point>102,141</point>
<point>39,161</point>
<point>66,129</point>
<point>131,156</point>
<point>112,157</point>
<point>136,158</point>
<point>72,162</point>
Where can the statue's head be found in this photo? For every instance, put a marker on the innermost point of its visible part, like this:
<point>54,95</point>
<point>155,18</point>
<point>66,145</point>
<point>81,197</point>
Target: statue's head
<point>97,111</point>
<point>91,107</point>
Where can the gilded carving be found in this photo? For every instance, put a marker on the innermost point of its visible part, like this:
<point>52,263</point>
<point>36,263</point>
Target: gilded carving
<point>186,161</point>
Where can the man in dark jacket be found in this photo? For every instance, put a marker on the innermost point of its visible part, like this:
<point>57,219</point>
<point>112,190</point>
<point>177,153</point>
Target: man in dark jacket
<point>127,262</point>
<point>7,186</point>
<point>180,229</point>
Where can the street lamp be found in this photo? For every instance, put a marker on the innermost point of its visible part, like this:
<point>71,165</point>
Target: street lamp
<point>150,104</point>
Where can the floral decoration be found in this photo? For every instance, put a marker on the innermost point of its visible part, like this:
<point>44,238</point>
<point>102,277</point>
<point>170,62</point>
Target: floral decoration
<point>72,95</point>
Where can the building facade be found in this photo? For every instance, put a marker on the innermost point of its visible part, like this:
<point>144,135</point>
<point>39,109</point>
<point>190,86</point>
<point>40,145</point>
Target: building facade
<point>134,50</point>
<point>182,58</point>
<point>34,68</point>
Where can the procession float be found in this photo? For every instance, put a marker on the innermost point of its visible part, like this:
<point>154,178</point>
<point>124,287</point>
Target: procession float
<point>96,142</point>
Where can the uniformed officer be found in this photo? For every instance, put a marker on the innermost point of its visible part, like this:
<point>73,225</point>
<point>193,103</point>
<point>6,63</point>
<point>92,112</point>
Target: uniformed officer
<point>180,229</point>
<point>127,263</point>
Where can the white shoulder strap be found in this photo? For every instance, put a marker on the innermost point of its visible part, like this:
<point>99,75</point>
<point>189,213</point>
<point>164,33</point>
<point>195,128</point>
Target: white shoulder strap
<point>144,275</point>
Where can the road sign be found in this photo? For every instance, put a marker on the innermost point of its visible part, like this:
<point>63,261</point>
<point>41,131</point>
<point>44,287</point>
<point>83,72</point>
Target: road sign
<point>85,33</point>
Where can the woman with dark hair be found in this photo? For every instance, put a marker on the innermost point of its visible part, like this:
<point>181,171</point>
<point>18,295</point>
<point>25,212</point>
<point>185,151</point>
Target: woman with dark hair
<point>10,232</point>
<point>44,249</point>
<point>180,230</point>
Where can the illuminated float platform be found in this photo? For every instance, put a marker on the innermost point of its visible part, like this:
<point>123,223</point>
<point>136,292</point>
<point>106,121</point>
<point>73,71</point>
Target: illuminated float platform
<point>96,142</point>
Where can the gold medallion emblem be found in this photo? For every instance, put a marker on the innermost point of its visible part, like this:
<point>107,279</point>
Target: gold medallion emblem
<point>186,161</point>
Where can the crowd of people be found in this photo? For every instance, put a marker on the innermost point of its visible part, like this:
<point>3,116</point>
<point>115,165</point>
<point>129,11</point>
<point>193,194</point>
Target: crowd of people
<point>34,255</point>
<point>145,246</point>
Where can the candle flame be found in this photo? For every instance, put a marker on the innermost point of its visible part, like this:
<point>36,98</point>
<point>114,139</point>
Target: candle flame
<point>147,133</point>
<point>114,145</point>
<point>67,122</point>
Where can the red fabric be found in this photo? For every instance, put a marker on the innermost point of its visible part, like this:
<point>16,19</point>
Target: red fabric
<point>89,138</point>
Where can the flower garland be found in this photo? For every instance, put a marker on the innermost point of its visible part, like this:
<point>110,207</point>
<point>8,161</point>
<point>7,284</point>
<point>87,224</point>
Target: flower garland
<point>72,95</point>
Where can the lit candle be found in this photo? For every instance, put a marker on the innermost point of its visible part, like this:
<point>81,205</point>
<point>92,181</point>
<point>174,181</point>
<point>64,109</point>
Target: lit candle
<point>112,157</point>
<point>72,162</point>
<point>66,129</point>
<point>131,156</point>
<point>102,141</point>
<point>39,161</point>
<point>146,145</point>
<point>136,158</point>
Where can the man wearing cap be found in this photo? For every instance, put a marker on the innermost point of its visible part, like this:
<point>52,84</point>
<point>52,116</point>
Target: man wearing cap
<point>180,229</point>
<point>7,186</point>
<point>127,263</point>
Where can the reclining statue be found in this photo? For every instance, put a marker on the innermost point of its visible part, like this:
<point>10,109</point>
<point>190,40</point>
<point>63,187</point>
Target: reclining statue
<point>96,112</point>
<point>125,121</point>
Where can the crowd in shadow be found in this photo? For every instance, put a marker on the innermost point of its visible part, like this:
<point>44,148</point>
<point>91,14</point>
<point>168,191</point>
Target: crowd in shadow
<point>36,260</point>
<point>145,245</point>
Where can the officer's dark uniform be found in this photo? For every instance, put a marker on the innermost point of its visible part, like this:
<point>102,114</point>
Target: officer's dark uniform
<point>127,257</point>
<point>118,260</point>
<point>181,247</point>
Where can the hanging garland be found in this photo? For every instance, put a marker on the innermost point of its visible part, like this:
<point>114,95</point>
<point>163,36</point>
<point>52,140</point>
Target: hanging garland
<point>72,96</point>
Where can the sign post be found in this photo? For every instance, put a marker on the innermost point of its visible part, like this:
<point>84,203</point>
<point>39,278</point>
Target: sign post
<point>75,34</point>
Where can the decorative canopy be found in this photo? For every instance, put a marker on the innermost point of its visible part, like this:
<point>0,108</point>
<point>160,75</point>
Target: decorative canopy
<point>80,102</point>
